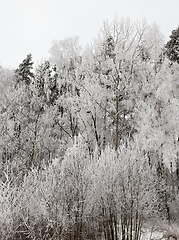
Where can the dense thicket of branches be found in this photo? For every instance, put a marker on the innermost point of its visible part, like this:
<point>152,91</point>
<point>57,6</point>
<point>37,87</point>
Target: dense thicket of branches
<point>89,140</point>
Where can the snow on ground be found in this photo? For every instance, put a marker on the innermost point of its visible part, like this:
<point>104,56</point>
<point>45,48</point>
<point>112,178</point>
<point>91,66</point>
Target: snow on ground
<point>148,235</point>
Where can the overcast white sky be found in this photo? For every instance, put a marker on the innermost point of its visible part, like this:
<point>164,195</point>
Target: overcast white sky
<point>30,26</point>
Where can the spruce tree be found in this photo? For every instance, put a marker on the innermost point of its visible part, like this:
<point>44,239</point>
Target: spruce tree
<point>24,72</point>
<point>46,82</point>
<point>172,46</point>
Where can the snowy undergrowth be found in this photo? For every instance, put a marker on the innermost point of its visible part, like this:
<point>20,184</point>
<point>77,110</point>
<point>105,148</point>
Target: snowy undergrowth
<point>108,196</point>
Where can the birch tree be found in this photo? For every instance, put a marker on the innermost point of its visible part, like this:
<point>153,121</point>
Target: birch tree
<point>65,54</point>
<point>117,62</point>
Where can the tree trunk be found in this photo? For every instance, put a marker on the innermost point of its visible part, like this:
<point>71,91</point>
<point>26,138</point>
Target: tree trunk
<point>117,115</point>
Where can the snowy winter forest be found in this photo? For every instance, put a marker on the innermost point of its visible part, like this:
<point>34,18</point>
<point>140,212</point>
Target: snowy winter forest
<point>89,139</point>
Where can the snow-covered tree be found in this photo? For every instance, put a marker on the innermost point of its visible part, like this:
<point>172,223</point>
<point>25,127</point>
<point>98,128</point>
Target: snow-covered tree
<point>65,54</point>
<point>114,69</point>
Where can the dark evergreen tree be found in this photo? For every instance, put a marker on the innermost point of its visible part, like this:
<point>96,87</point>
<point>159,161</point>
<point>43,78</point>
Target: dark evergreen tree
<point>46,82</point>
<point>53,86</point>
<point>172,46</point>
<point>24,72</point>
<point>109,47</point>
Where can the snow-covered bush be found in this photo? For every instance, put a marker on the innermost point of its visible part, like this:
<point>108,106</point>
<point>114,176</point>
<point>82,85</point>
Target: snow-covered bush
<point>124,192</point>
<point>81,196</point>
